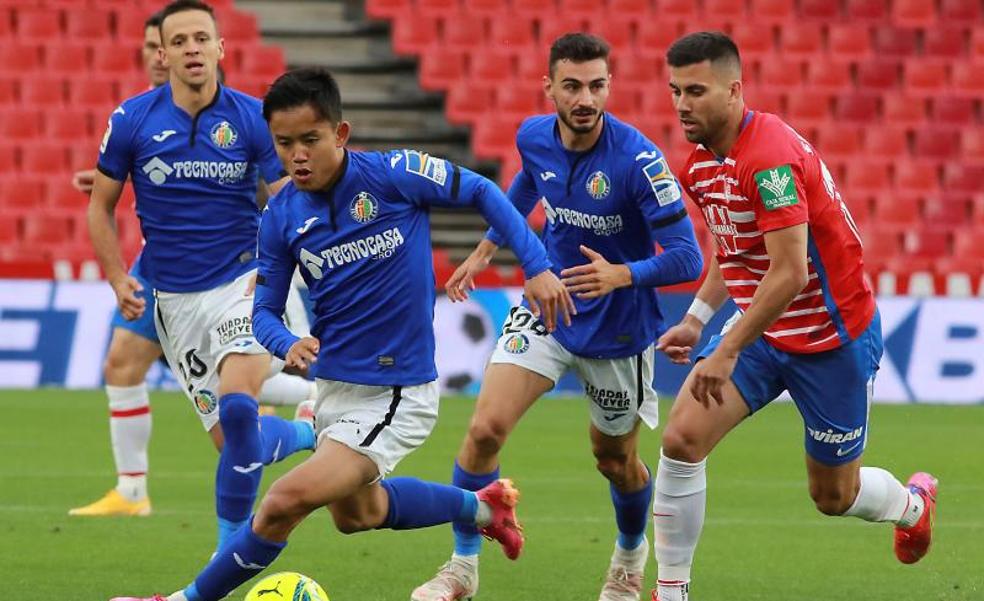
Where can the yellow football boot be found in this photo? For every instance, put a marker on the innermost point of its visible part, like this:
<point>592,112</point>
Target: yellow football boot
<point>113,503</point>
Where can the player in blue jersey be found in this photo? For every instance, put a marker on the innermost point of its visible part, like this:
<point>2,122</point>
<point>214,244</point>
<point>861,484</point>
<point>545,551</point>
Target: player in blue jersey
<point>357,223</point>
<point>193,150</point>
<point>608,195</point>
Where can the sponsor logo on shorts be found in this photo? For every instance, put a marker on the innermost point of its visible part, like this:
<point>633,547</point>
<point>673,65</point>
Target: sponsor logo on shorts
<point>598,185</point>
<point>609,400</point>
<point>223,135</point>
<point>517,344</point>
<point>236,327</point>
<point>829,437</point>
<point>205,401</point>
<point>364,207</point>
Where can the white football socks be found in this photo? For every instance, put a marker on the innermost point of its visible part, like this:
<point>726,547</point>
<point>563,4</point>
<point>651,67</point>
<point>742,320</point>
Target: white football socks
<point>678,516</point>
<point>285,389</point>
<point>129,431</point>
<point>882,498</point>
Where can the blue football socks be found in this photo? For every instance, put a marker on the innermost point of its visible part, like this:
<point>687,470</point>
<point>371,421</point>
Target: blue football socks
<point>244,556</point>
<point>467,540</point>
<point>416,503</point>
<point>281,438</point>
<point>632,513</point>
<point>240,463</point>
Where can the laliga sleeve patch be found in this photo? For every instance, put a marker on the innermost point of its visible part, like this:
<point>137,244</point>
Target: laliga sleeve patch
<point>776,187</point>
<point>662,182</point>
<point>426,166</point>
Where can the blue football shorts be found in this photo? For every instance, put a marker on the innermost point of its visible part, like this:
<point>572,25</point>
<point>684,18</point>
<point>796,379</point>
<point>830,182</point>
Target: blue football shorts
<point>144,326</point>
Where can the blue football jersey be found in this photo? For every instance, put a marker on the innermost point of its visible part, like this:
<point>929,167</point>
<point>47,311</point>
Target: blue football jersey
<point>364,250</point>
<point>617,198</point>
<point>195,182</point>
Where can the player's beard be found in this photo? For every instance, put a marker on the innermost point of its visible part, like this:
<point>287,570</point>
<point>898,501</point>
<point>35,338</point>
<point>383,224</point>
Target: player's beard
<point>709,131</point>
<point>579,129</point>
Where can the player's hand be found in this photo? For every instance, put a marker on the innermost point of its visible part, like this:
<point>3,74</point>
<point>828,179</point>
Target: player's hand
<point>303,352</point>
<point>463,278</point>
<point>679,341</point>
<point>131,305</point>
<point>84,180</point>
<point>597,278</point>
<point>250,287</point>
<point>547,297</point>
<point>710,376</point>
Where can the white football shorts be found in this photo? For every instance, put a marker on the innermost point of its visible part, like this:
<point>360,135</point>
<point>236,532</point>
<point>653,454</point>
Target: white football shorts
<point>384,423</point>
<point>619,391</point>
<point>198,330</point>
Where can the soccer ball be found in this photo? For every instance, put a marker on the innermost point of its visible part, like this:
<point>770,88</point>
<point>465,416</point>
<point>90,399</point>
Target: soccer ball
<point>289,586</point>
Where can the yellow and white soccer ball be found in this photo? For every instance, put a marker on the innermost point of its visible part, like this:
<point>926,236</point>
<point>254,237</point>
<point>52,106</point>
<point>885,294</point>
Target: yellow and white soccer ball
<point>286,586</point>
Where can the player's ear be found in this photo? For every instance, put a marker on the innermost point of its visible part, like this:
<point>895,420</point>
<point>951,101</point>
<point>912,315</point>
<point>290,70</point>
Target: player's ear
<point>736,90</point>
<point>221,48</point>
<point>342,132</point>
<point>546,87</point>
<point>161,54</point>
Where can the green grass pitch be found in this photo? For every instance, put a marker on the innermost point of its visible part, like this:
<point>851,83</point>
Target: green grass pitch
<point>762,539</point>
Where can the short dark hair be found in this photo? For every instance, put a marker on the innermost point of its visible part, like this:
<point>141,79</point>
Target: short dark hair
<point>306,85</point>
<point>154,20</point>
<point>578,48</point>
<point>703,46</point>
<point>180,6</point>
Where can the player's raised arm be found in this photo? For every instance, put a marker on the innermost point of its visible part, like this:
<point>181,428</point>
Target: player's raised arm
<point>522,193</point>
<point>276,267</point>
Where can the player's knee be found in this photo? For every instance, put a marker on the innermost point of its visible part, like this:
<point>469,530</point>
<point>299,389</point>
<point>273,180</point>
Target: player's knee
<point>682,445</point>
<point>118,368</point>
<point>282,507</point>
<point>235,410</point>
<point>831,499</point>
<point>487,436</point>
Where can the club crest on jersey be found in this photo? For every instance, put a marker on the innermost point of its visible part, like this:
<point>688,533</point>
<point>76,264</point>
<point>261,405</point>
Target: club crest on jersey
<point>223,135</point>
<point>205,401</point>
<point>517,344</point>
<point>662,182</point>
<point>598,185</point>
<point>364,207</point>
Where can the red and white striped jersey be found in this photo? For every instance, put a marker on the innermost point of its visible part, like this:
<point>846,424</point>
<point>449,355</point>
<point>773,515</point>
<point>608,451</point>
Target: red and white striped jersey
<point>773,179</point>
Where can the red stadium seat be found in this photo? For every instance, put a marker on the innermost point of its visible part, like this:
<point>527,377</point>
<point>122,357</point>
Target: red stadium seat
<point>467,103</point>
<point>237,25</point>
<point>494,138</point>
<point>961,12</point>
<point>659,106</point>
<point>913,13</point>
<point>903,110</point>
<point>849,42</point>
<point>819,9</point>
<point>511,33</point>
<point>967,243</point>
<point>873,11</point>
<point>22,192</point>
<point>89,24</point>
<point>624,103</point>
<point>439,70</point>
<point>886,142</point>
<point>532,66</point>
<point>725,9</point>
<point>977,44</point>
<point>74,125</point>
<point>487,8</point>
<point>655,37</point>
<point>924,78</point>
<point>518,102</point>
<point>6,22</point>
<point>916,177</point>
<point>44,158</point>
<point>108,60</point>
<point>928,242</point>
<point>388,9</point>
<point>38,24</point>
<point>857,107</point>
<point>781,74</point>
<point>20,124</point>
<point>951,210</point>
<point>881,243</point>
<point>638,8</point>
<point>963,178</point>
<point>632,70</point>
<point>829,76</point>
<point>764,100</point>
<point>677,9</point>
<point>954,111</point>
<point>541,11</point>
<point>972,144</point>
<point>898,209</point>
<point>413,34</point>
<point>70,58</point>
<point>9,232</point>
<point>62,195</point>
<point>266,62</point>
<point>617,31</point>
<point>834,140</point>
<point>968,79</point>
<point>16,57</point>
<point>937,143</point>
<point>495,67</point>
<point>43,92</point>
<point>130,25</point>
<point>8,91</point>
<point>436,8</point>
<point>878,76</point>
<point>8,157</point>
<point>773,12</point>
<point>95,92</point>
<point>807,110</point>
<point>800,40</point>
<point>48,229</point>
<point>944,43</point>
<point>894,42</point>
<point>754,39</point>
<point>553,28</point>
<point>870,176</point>
<point>463,32</point>
<point>588,9</point>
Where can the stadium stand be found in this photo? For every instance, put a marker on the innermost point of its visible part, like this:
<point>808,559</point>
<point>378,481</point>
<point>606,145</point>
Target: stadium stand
<point>890,91</point>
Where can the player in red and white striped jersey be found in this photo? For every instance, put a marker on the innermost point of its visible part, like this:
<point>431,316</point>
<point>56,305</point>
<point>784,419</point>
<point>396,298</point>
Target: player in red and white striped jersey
<point>789,255</point>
